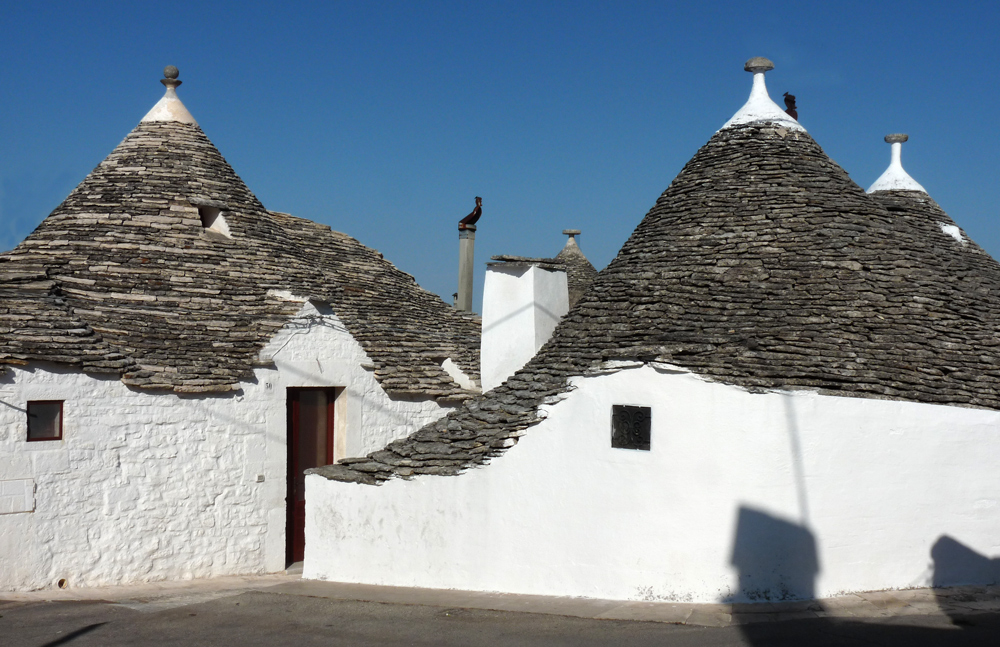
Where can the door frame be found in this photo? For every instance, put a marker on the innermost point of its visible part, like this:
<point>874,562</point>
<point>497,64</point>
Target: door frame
<point>291,443</point>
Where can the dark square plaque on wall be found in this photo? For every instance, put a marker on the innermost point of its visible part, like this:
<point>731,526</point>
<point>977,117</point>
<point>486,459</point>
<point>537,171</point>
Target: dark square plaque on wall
<point>630,427</point>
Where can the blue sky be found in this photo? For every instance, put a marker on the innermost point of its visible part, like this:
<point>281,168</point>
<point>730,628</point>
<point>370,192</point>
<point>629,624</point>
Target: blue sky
<point>385,120</point>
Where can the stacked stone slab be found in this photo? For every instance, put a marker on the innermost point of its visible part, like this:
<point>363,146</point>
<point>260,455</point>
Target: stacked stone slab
<point>763,265</point>
<point>580,272</point>
<point>123,277</point>
<point>37,324</point>
<point>551,264</point>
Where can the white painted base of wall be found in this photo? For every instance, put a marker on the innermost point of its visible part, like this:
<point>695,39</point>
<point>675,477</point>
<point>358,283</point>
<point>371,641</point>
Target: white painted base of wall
<point>153,486</point>
<point>742,496</point>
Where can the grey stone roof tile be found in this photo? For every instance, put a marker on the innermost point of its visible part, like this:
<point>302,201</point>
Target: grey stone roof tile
<point>170,305</point>
<point>580,273</point>
<point>763,266</point>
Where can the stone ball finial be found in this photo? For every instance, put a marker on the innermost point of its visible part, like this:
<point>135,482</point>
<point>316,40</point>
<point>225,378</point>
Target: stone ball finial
<point>896,138</point>
<point>758,64</point>
<point>571,232</point>
<point>170,80</point>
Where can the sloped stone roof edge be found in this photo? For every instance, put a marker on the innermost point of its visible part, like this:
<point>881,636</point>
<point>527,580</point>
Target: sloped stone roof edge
<point>759,353</point>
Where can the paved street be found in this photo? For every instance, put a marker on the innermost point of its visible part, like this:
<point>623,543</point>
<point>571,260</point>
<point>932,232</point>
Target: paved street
<point>280,610</point>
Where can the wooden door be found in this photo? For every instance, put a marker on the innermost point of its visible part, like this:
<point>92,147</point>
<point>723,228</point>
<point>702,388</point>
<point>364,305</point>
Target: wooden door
<point>310,444</point>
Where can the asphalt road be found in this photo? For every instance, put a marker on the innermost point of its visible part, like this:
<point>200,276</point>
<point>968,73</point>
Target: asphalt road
<point>262,618</point>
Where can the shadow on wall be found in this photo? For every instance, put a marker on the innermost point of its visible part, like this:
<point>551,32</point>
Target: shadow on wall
<point>776,559</point>
<point>956,564</point>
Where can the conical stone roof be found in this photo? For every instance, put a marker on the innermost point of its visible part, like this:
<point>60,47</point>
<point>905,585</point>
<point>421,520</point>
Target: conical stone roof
<point>902,196</point>
<point>763,265</point>
<point>126,263</point>
<point>580,273</point>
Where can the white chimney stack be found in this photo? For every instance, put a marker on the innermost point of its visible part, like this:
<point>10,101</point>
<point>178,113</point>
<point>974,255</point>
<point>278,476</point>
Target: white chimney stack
<point>522,303</point>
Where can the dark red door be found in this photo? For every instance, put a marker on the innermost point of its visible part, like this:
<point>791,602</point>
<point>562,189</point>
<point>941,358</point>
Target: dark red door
<point>310,444</point>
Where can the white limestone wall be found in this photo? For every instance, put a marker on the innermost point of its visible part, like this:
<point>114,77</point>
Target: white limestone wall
<point>521,307</point>
<point>147,487</point>
<point>868,485</point>
<point>142,487</point>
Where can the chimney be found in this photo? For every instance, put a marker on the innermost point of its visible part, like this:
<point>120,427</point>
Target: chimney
<point>466,252</point>
<point>523,300</point>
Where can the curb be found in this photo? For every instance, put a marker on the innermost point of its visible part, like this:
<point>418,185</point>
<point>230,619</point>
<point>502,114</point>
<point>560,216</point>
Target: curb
<point>152,597</point>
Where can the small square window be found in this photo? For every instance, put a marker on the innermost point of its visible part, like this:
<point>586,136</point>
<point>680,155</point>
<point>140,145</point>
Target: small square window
<point>45,420</point>
<point>630,427</point>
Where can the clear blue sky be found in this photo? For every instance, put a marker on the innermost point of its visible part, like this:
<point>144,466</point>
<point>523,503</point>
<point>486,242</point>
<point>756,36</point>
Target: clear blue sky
<point>384,120</point>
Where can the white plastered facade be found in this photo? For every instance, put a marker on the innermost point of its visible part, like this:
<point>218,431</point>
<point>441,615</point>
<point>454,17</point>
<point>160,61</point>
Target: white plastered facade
<point>158,486</point>
<point>870,485</point>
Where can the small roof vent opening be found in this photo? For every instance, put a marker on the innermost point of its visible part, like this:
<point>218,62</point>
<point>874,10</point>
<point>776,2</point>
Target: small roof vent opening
<point>213,220</point>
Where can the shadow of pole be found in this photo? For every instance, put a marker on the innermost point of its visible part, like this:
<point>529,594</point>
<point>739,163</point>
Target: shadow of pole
<point>792,426</point>
<point>74,635</point>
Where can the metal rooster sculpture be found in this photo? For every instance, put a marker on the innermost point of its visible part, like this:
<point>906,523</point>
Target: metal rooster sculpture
<point>471,219</point>
<point>790,106</point>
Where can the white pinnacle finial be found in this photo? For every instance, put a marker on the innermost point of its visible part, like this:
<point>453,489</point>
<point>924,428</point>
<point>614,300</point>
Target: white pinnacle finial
<point>895,178</point>
<point>170,108</point>
<point>759,107</point>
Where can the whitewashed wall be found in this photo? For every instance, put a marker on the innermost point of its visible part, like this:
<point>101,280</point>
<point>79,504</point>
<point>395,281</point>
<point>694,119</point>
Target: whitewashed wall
<point>873,483</point>
<point>148,487</point>
<point>142,487</point>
